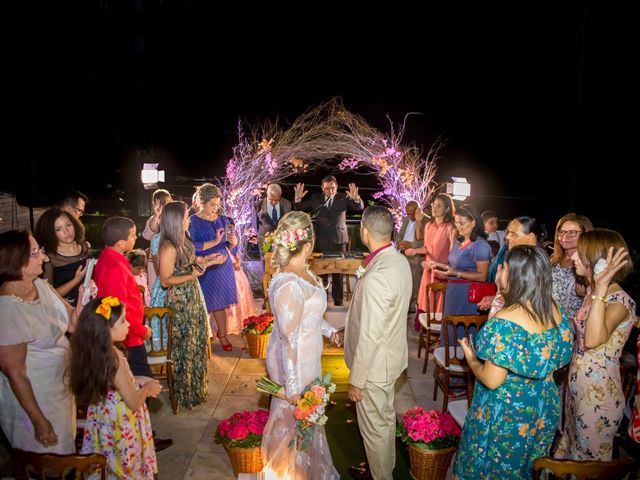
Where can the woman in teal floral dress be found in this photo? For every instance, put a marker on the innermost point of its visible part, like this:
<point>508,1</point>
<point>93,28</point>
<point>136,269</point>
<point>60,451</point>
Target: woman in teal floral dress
<point>178,275</point>
<point>516,404</point>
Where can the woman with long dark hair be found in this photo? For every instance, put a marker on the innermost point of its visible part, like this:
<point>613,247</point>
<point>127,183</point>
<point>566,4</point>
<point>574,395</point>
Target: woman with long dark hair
<point>516,404</point>
<point>178,274</point>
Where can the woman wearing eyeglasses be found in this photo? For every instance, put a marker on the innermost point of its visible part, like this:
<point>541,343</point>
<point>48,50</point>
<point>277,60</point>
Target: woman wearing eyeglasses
<point>38,411</point>
<point>565,245</point>
<point>62,236</point>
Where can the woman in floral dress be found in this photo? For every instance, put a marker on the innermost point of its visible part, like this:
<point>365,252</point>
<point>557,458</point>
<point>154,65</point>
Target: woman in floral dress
<point>516,405</point>
<point>178,274</point>
<point>595,400</point>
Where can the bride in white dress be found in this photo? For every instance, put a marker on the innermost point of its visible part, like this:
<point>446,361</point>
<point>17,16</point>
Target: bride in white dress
<point>298,301</point>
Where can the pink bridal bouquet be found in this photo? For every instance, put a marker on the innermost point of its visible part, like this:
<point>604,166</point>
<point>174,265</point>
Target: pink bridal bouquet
<point>428,430</point>
<point>242,429</point>
<point>309,410</point>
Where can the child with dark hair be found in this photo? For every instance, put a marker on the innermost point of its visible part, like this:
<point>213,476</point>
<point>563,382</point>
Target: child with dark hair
<point>118,424</point>
<point>138,261</point>
<point>114,277</point>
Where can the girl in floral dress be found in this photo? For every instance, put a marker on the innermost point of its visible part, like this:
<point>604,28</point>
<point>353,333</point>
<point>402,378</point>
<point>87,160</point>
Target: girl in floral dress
<point>595,400</point>
<point>118,424</point>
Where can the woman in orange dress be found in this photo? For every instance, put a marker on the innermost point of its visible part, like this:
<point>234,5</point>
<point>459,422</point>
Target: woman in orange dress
<point>438,236</point>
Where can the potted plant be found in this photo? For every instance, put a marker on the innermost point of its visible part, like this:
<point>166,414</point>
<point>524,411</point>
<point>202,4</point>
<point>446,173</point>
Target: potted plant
<point>432,437</point>
<point>241,436</point>
<point>257,330</point>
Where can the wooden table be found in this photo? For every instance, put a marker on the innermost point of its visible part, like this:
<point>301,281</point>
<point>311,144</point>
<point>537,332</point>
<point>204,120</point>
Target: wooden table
<point>319,266</point>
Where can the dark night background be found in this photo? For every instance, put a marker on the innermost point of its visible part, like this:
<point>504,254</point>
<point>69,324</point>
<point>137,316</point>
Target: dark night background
<point>533,99</point>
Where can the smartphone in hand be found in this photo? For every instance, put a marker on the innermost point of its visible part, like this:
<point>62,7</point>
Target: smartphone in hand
<point>91,263</point>
<point>198,267</point>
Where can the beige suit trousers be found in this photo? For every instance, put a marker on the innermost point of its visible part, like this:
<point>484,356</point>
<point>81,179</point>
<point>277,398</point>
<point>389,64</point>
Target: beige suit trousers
<point>377,423</point>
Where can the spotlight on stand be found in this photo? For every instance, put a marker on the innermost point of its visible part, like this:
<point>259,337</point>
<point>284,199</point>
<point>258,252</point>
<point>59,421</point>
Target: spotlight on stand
<point>150,175</point>
<point>460,189</point>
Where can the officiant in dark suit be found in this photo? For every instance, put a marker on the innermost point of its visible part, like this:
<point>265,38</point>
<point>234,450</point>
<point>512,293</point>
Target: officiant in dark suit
<point>267,212</point>
<point>329,211</point>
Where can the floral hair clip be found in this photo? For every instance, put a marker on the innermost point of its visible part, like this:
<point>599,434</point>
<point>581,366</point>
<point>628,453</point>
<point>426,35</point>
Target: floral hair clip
<point>104,308</point>
<point>290,239</point>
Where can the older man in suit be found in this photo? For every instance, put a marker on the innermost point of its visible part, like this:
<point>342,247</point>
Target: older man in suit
<point>329,210</point>
<point>375,341</point>
<point>406,238</point>
<point>268,212</point>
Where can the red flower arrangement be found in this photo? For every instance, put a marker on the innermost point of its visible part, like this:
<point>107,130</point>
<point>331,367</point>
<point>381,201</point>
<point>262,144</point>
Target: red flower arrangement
<point>260,325</point>
<point>242,429</point>
<point>428,430</point>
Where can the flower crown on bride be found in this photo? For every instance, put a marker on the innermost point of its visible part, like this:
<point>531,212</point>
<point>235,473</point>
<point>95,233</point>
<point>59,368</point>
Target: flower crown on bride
<point>290,240</point>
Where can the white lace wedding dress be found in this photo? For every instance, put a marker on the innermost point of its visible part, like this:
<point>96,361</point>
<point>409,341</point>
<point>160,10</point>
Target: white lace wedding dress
<point>293,360</point>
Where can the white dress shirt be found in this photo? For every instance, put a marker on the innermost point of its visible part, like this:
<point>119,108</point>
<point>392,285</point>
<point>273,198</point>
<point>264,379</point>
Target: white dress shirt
<point>410,232</point>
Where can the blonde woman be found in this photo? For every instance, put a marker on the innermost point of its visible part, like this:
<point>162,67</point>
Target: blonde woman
<point>293,354</point>
<point>213,233</point>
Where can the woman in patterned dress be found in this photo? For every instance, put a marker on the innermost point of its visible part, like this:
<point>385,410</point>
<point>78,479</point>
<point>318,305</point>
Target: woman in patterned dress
<point>595,401</point>
<point>178,274</point>
<point>568,231</point>
<point>516,405</point>
<point>118,423</point>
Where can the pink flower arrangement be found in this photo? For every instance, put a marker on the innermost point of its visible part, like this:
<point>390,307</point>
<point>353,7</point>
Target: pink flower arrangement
<point>242,429</point>
<point>429,430</point>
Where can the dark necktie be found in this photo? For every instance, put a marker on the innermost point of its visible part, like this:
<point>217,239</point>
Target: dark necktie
<point>274,216</point>
<point>330,202</point>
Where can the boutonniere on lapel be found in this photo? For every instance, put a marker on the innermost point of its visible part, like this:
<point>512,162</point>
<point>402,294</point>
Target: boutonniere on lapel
<point>360,271</point>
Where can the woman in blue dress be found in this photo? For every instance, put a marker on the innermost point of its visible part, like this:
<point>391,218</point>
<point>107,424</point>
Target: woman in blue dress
<point>516,404</point>
<point>212,233</point>
<point>468,262</point>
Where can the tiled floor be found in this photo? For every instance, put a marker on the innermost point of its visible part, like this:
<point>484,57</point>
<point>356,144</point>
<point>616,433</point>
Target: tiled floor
<point>232,377</point>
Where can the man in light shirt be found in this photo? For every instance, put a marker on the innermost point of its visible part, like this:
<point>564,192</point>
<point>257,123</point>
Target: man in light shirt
<point>406,238</point>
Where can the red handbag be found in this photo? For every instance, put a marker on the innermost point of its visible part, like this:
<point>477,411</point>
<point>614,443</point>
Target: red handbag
<point>479,290</point>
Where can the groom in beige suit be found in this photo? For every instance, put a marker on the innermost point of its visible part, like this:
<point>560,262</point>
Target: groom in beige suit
<point>375,348</point>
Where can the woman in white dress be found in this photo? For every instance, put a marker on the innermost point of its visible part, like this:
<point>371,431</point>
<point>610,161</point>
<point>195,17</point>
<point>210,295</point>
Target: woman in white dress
<point>38,410</point>
<point>293,354</point>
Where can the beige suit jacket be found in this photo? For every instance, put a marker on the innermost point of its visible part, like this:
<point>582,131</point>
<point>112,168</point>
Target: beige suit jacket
<point>375,343</point>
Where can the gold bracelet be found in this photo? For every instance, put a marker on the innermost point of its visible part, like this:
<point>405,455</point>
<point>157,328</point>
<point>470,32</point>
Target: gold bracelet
<point>604,300</point>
